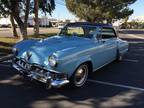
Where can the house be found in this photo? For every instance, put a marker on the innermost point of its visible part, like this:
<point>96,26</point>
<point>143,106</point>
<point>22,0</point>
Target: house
<point>5,22</point>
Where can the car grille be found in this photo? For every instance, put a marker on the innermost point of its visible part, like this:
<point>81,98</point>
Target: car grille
<point>23,64</point>
<point>36,68</point>
<point>31,67</point>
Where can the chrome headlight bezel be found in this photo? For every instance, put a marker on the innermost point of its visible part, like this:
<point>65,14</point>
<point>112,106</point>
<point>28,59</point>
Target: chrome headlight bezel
<point>52,61</point>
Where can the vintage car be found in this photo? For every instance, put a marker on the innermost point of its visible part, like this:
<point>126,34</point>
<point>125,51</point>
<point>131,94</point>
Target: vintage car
<point>79,49</point>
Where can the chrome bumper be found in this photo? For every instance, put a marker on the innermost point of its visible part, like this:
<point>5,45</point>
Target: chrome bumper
<point>47,79</point>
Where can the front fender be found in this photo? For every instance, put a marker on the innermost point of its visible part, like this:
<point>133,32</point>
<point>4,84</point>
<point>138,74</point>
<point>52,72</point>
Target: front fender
<point>82,60</point>
<point>70,65</point>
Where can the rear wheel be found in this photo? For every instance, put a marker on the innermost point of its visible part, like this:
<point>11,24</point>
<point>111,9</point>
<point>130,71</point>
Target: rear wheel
<point>79,78</point>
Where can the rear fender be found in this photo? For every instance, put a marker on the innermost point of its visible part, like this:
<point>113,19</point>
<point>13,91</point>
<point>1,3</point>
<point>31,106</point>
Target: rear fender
<point>122,47</point>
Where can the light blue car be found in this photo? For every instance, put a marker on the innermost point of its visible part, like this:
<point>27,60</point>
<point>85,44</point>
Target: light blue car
<point>79,49</point>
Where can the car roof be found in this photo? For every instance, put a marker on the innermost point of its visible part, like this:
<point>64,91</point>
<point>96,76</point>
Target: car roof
<point>89,24</point>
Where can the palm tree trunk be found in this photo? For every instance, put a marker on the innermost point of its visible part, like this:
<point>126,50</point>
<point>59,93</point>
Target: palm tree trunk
<point>26,17</point>
<point>36,27</point>
<point>13,26</point>
<point>22,24</point>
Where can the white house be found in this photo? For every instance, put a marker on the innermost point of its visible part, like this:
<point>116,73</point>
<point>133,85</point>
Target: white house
<point>44,21</point>
<point>5,21</point>
<point>30,21</point>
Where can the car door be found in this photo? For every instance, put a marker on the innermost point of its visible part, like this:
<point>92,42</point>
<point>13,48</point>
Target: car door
<point>105,48</point>
<point>108,39</point>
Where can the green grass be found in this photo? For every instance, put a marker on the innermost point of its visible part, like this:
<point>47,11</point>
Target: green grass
<point>42,36</point>
<point>6,43</point>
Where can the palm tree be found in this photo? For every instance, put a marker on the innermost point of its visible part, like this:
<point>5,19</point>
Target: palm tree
<point>47,6</point>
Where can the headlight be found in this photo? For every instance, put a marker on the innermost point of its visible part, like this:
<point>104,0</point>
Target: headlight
<point>52,61</point>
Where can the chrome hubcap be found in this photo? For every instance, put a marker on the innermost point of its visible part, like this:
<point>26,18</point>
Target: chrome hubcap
<point>81,75</point>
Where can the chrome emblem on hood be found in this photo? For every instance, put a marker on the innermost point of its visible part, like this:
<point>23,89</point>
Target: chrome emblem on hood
<point>27,56</point>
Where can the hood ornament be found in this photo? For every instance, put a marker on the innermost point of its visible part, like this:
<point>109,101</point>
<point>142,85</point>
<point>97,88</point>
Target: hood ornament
<point>28,55</point>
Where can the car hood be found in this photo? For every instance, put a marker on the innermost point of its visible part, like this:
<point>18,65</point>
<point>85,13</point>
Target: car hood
<point>42,49</point>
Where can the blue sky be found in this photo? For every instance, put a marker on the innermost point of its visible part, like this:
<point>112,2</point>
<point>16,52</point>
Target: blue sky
<point>138,7</point>
<point>61,12</point>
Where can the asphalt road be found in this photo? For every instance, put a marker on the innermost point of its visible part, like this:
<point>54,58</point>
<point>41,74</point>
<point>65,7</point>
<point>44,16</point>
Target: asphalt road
<point>117,85</point>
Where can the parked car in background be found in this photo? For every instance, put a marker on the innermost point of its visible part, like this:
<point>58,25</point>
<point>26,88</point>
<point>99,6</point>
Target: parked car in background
<point>5,25</point>
<point>79,49</point>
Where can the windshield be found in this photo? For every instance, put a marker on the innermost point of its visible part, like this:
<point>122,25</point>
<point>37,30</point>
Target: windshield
<point>80,31</point>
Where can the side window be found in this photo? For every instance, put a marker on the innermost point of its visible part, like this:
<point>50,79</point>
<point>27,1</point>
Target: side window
<point>89,31</point>
<point>107,33</point>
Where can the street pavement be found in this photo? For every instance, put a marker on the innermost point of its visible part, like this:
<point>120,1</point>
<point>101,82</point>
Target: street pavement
<point>117,85</point>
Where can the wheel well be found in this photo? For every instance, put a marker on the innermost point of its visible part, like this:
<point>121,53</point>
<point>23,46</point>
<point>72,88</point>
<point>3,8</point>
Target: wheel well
<point>90,66</point>
<point>89,63</point>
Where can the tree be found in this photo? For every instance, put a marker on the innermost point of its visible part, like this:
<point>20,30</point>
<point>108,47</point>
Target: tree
<point>100,10</point>
<point>13,26</point>
<point>15,8</point>
<point>36,19</point>
<point>19,10</point>
<point>46,6</point>
<point>6,13</point>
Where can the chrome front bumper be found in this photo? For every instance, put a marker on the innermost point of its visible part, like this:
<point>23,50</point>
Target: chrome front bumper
<point>44,78</point>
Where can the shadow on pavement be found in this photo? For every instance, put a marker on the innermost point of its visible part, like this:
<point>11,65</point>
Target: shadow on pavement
<point>18,92</point>
<point>5,48</point>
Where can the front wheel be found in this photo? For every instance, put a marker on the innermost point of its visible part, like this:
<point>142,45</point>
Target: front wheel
<point>79,77</point>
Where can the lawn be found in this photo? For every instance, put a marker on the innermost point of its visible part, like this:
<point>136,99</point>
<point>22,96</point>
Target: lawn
<point>6,43</point>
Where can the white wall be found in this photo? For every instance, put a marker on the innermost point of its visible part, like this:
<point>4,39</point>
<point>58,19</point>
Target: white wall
<point>4,21</point>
